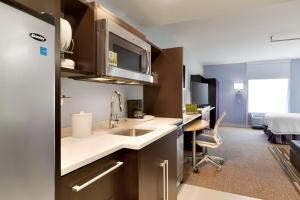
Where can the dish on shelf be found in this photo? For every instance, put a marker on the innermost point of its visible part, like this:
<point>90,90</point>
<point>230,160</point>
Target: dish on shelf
<point>67,63</point>
<point>65,34</point>
<point>68,33</point>
<point>62,34</point>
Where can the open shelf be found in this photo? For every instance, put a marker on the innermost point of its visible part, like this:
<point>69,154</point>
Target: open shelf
<point>81,17</point>
<point>155,51</point>
<point>69,73</point>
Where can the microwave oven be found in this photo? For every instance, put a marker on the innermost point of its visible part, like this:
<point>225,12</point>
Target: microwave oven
<point>121,55</point>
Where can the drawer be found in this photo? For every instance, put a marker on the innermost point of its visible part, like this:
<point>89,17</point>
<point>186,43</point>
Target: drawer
<point>108,175</point>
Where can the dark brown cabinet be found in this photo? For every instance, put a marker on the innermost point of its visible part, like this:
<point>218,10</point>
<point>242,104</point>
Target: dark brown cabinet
<point>41,6</point>
<point>158,169</point>
<point>165,99</point>
<point>110,185</point>
<point>147,174</point>
<point>81,17</point>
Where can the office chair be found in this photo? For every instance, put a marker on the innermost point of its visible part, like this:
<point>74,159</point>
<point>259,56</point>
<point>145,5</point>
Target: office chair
<point>210,140</point>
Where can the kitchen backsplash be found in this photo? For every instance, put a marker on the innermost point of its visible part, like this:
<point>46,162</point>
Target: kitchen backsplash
<point>94,98</point>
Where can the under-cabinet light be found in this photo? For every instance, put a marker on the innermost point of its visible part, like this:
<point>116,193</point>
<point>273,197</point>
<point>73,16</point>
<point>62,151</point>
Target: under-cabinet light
<point>101,79</point>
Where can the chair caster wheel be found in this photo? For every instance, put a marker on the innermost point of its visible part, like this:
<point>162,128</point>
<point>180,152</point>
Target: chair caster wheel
<point>222,162</point>
<point>196,170</point>
<point>219,169</point>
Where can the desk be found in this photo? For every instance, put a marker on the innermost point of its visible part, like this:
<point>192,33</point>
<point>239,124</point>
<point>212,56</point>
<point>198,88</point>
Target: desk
<point>206,115</point>
<point>187,119</point>
<point>197,125</point>
<point>190,118</point>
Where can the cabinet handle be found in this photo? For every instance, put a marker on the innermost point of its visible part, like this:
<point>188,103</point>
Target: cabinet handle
<point>167,179</point>
<point>163,165</point>
<point>77,188</point>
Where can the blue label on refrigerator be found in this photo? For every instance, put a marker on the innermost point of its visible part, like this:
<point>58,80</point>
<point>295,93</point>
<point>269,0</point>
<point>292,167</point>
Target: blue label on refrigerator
<point>43,51</point>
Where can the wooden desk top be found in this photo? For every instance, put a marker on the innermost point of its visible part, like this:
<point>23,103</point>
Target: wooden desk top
<point>208,107</point>
<point>189,118</point>
<point>197,125</point>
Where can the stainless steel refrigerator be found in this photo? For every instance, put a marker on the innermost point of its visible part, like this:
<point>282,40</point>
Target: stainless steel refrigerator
<point>27,75</point>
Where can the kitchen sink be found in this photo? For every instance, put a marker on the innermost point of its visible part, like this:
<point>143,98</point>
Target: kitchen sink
<point>133,132</point>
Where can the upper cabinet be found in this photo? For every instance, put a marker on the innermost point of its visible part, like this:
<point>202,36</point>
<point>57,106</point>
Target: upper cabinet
<point>165,99</point>
<point>40,6</point>
<point>82,48</point>
<point>103,47</point>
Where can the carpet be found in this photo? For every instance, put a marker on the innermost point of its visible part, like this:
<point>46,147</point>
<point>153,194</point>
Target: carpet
<point>250,168</point>
<point>283,158</point>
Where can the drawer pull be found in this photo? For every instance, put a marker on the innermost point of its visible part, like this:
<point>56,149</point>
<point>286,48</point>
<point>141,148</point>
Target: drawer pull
<point>77,188</point>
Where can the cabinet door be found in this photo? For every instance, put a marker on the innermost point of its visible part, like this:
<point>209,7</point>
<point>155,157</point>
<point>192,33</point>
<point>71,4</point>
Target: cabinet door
<point>152,174</point>
<point>169,152</point>
<point>40,6</point>
<point>108,187</point>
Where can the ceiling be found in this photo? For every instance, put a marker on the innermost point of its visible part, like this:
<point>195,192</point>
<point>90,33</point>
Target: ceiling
<point>161,12</point>
<point>222,31</point>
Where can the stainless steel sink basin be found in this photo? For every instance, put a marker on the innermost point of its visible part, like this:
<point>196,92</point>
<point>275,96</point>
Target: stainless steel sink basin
<point>133,132</point>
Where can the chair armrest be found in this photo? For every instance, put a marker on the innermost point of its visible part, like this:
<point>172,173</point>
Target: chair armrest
<point>210,136</point>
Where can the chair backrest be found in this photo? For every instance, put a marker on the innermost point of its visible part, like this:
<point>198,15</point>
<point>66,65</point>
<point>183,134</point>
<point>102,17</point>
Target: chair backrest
<point>217,124</point>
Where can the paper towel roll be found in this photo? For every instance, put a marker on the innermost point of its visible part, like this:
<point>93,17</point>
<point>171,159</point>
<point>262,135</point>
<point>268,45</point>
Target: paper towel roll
<point>81,124</point>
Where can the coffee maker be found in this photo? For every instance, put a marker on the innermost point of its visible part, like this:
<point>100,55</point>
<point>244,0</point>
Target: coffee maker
<point>135,109</point>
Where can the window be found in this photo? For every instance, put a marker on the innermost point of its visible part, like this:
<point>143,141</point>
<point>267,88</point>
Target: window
<point>268,95</point>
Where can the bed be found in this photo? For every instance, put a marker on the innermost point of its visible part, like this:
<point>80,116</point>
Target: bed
<point>282,128</point>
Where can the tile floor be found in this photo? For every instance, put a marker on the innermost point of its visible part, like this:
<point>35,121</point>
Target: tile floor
<point>190,192</point>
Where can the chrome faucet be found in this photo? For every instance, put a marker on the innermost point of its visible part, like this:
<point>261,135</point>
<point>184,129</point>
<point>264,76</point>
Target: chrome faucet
<point>113,117</point>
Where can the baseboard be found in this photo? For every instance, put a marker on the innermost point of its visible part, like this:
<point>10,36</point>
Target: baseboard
<point>235,125</point>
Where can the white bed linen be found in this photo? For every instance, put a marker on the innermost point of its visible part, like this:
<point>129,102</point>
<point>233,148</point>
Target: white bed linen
<point>283,124</point>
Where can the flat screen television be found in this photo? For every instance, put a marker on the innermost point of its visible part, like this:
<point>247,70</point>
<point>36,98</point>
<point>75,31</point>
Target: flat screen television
<point>199,94</point>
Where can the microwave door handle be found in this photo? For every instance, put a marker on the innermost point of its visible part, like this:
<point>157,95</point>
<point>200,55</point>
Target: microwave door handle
<point>148,60</point>
<point>144,61</point>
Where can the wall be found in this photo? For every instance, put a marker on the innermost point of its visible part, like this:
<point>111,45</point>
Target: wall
<point>163,40</point>
<point>94,98</point>
<point>111,7</point>
<point>234,104</point>
<point>295,86</point>
<point>272,69</point>
<point>192,67</point>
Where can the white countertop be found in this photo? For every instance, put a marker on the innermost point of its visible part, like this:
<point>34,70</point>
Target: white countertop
<point>78,152</point>
<point>188,118</point>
